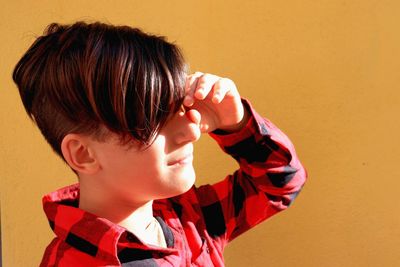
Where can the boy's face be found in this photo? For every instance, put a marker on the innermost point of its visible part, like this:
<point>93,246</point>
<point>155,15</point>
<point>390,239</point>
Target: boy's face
<point>162,170</point>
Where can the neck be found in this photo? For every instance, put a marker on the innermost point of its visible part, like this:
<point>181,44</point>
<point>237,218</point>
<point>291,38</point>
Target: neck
<point>135,217</point>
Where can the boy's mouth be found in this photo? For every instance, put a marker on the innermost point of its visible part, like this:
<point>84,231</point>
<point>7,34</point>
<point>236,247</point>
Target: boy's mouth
<point>182,160</point>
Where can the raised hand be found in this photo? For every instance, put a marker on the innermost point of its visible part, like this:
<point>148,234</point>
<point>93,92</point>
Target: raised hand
<point>217,100</point>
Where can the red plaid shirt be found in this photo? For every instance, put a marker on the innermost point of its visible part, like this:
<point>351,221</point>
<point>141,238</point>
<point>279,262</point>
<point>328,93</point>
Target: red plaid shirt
<point>197,224</point>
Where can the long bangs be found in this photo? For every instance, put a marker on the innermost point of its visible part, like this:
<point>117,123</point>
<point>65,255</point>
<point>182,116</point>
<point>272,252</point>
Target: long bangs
<point>142,77</point>
<point>99,78</point>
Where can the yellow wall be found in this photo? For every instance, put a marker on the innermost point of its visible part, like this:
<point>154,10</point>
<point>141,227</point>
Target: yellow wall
<point>326,72</point>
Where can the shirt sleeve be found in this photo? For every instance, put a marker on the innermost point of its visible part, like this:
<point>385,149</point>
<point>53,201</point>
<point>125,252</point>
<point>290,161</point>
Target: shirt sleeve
<point>268,180</point>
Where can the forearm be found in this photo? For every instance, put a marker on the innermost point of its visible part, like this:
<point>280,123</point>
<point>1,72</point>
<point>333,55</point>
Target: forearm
<point>268,180</point>
<point>262,150</point>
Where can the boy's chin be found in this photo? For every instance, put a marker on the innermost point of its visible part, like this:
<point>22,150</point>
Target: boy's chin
<point>183,184</point>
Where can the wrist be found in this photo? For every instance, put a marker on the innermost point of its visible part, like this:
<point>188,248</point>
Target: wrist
<point>237,127</point>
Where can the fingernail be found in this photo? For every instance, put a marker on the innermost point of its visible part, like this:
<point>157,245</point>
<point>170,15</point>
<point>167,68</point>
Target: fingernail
<point>199,93</point>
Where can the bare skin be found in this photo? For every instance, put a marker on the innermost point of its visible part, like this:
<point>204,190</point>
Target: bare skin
<point>120,185</point>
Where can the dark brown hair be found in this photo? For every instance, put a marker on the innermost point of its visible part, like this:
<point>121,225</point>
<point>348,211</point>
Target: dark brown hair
<point>81,77</point>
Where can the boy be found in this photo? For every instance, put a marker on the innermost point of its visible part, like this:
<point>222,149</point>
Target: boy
<point>117,105</point>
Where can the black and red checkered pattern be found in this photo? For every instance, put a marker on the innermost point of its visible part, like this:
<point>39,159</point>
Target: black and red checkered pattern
<point>197,224</point>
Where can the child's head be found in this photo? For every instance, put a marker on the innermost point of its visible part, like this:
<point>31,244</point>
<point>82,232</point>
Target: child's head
<point>97,90</point>
<point>97,78</point>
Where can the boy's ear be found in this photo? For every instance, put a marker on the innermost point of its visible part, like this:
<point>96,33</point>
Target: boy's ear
<point>79,154</point>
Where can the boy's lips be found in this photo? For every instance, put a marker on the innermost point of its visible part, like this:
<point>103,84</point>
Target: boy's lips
<point>181,160</point>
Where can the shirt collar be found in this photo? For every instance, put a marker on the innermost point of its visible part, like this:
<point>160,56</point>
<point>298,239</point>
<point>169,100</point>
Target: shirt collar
<point>82,230</point>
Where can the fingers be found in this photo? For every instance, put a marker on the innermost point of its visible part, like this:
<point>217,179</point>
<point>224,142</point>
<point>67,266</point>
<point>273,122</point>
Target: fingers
<point>190,86</point>
<point>201,86</point>
<point>205,85</point>
<point>222,89</point>
<point>194,116</point>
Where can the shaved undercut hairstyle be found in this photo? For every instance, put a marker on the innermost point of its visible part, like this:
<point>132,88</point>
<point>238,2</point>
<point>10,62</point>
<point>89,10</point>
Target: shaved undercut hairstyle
<point>98,78</point>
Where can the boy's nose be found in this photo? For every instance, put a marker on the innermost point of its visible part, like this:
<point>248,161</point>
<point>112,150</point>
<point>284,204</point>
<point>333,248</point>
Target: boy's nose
<point>190,131</point>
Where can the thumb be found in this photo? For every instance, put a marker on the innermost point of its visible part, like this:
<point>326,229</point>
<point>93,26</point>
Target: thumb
<point>194,116</point>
